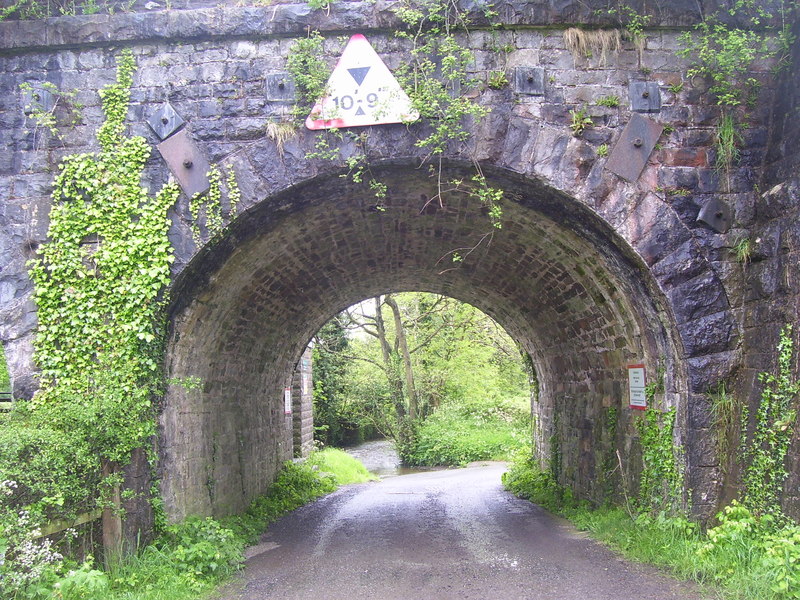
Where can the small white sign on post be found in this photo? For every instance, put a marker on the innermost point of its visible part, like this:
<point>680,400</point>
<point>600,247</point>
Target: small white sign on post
<point>636,387</point>
<point>287,401</point>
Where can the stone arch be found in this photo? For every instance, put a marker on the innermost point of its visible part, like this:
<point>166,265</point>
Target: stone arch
<point>557,276</point>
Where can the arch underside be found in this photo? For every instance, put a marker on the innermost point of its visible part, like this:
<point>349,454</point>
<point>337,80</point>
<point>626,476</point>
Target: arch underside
<point>555,276</point>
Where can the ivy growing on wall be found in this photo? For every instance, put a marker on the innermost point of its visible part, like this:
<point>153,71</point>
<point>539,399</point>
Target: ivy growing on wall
<point>206,208</point>
<point>661,480</point>
<point>765,441</point>
<point>98,286</point>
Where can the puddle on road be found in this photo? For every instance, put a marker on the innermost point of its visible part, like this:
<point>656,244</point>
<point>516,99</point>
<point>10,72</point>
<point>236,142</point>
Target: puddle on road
<point>381,458</point>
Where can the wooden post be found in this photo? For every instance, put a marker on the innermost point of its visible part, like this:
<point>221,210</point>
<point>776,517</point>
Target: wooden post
<point>112,518</point>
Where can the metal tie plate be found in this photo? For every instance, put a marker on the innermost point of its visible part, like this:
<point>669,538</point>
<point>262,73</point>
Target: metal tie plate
<point>645,96</point>
<point>165,121</point>
<point>186,162</point>
<point>634,146</point>
<point>716,214</point>
<point>279,87</point>
<point>529,80</point>
<point>37,99</point>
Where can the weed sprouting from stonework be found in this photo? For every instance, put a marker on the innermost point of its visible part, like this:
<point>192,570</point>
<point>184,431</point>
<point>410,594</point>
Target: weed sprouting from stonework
<point>584,43</point>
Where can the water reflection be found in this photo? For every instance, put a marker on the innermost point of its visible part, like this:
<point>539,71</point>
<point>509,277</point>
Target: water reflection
<point>381,458</point>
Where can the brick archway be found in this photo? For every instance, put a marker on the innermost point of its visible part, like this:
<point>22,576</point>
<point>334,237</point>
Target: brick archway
<point>556,276</point>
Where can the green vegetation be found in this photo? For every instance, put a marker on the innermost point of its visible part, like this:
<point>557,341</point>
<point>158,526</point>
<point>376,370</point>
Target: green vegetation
<point>309,70</point>
<point>661,480</point>
<point>41,9</point>
<point>189,559</point>
<point>726,421</point>
<point>5,380</point>
<point>209,204</point>
<point>728,139</point>
<point>676,88</point>
<point>609,101</point>
<point>723,54</point>
<point>437,376</point>
<point>580,120</point>
<point>766,440</point>
<point>497,80</point>
<point>743,249</point>
<point>441,88</point>
<point>458,434</point>
<point>602,150</point>
<point>745,557</point>
<point>98,284</point>
<point>45,117</point>
<point>341,466</point>
<point>633,23</point>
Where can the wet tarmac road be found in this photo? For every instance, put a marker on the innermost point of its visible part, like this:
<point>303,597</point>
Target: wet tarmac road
<point>439,535</point>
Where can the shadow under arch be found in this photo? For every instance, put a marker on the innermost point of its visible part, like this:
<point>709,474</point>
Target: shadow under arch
<point>555,276</point>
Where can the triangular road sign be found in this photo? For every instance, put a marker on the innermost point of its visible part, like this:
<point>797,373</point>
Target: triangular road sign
<point>361,91</point>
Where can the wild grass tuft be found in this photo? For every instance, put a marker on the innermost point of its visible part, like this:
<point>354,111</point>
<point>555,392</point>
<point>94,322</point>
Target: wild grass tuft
<point>344,468</point>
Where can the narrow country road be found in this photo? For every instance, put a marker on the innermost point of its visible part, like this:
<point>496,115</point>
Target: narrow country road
<point>445,534</point>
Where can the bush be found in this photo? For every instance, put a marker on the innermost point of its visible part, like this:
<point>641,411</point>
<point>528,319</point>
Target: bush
<point>459,434</point>
<point>525,480</point>
<point>203,550</point>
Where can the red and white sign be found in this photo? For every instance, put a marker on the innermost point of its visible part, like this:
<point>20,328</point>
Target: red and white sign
<point>636,387</point>
<point>361,91</point>
<point>287,401</point>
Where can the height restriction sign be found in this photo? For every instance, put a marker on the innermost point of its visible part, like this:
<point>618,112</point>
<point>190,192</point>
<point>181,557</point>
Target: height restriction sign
<point>361,91</point>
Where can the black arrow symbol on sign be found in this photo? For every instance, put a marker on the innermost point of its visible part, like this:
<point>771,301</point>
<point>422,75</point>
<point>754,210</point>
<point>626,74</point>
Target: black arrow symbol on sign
<point>359,73</point>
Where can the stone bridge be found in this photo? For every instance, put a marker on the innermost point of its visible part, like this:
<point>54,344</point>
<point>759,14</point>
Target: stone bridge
<point>590,272</point>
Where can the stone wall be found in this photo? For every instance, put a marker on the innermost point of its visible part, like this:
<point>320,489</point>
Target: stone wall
<point>770,285</point>
<point>589,272</point>
<point>302,406</point>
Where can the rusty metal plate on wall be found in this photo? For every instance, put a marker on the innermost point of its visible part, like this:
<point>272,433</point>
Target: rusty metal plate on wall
<point>186,162</point>
<point>165,121</point>
<point>529,80</point>
<point>716,214</point>
<point>634,146</point>
<point>279,87</point>
<point>645,96</point>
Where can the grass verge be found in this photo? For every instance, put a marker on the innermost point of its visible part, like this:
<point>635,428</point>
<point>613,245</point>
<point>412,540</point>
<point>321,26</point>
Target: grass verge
<point>744,557</point>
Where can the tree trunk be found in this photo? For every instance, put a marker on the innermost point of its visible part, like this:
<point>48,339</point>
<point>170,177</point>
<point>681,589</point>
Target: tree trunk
<point>388,360</point>
<point>406,356</point>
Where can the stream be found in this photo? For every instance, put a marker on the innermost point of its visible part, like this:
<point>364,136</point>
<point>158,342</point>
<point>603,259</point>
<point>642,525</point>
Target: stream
<point>381,458</point>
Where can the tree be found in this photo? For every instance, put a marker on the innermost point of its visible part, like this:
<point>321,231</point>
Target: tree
<point>330,365</point>
<point>409,353</point>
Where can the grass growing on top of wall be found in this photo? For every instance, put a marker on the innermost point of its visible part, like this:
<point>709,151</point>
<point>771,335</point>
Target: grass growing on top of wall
<point>744,556</point>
